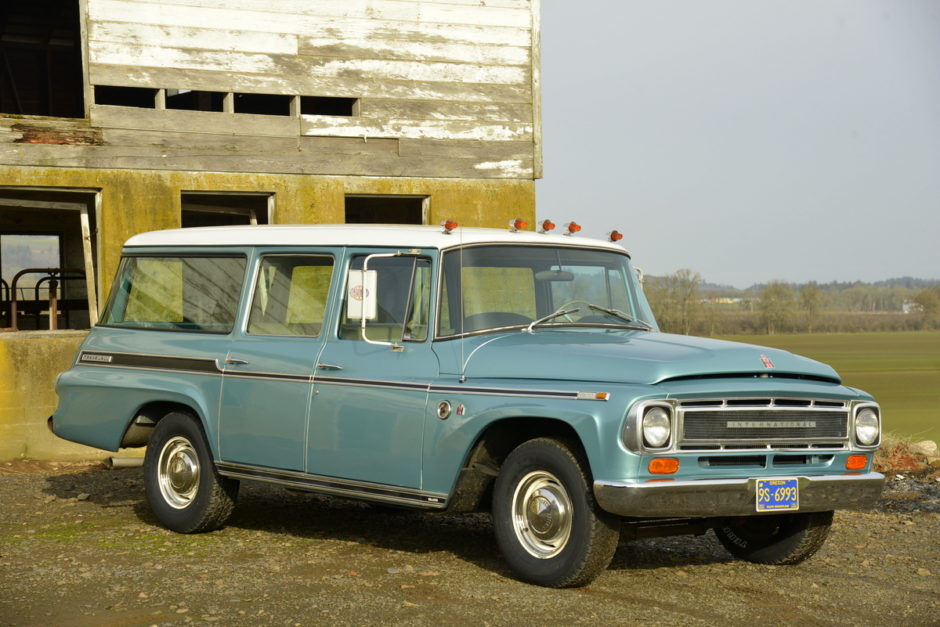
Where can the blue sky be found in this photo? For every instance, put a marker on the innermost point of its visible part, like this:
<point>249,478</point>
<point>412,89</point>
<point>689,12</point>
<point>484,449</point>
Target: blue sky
<point>748,140</point>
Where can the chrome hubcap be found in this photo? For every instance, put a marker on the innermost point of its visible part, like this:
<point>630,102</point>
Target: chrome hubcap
<point>541,510</point>
<point>178,472</point>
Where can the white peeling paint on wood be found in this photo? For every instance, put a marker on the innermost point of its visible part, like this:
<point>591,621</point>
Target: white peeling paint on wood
<point>126,33</point>
<point>428,129</point>
<point>513,168</point>
<point>415,50</point>
<point>453,77</point>
<point>251,63</point>
<point>154,56</point>
<point>276,17</point>
<point>483,14</point>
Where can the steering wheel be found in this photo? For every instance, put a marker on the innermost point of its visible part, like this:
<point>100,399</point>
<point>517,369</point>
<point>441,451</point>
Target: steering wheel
<point>570,304</point>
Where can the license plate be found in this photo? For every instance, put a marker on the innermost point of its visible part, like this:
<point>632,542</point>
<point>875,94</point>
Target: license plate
<point>777,495</point>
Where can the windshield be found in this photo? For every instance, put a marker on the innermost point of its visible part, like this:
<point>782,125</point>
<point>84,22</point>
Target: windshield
<point>499,286</point>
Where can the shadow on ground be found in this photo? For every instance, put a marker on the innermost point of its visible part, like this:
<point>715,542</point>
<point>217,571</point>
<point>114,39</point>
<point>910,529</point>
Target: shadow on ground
<point>305,515</point>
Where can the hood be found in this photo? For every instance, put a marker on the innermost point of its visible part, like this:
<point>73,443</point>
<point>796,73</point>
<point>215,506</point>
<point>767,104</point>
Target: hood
<point>628,357</point>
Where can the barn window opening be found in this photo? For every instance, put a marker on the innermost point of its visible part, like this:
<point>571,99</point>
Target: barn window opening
<point>263,104</point>
<point>322,105</point>
<point>224,209</point>
<point>189,100</point>
<point>41,58</point>
<point>374,209</point>
<point>47,259</point>
<point>140,97</point>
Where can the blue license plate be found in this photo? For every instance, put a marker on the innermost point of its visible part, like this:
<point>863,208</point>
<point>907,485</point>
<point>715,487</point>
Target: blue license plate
<point>777,495</point>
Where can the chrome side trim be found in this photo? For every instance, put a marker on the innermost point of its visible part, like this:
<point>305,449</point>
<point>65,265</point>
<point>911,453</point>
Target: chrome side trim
<point>332,485</point>
<point>732,497</point>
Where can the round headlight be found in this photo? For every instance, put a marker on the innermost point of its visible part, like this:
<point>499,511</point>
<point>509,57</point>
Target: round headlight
<point>866,426</point>
<point>656,427</point>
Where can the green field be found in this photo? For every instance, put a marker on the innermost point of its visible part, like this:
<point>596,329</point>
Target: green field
<point>901,370</point>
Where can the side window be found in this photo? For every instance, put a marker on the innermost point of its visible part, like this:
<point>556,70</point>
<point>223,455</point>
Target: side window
<point>187,293</point>
<point>403,289</point>
<point>290,295</point>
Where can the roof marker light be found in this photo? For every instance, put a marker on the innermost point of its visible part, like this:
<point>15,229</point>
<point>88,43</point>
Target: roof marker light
<point>573,227</point>
<point>615,236</point>
<point>449,226</point>
<point>547,225</point>
<point>517,225</point>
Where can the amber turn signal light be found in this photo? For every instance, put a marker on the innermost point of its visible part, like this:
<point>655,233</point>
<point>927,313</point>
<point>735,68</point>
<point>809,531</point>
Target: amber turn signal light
<point>663,466</point>
<point>856,462</point>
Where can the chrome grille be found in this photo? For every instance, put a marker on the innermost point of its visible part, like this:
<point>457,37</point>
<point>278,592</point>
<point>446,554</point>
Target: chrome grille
<point>734,424</point>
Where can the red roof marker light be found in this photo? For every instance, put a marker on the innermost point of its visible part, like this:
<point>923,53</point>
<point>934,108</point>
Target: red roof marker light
<point>517,225</point>
<point>573,227</point>
<point>615,236</point>
<point>547,225</point>
<point>449,226</point>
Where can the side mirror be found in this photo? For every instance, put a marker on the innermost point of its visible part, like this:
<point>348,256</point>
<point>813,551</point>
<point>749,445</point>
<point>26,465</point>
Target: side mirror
<point>361,295</point>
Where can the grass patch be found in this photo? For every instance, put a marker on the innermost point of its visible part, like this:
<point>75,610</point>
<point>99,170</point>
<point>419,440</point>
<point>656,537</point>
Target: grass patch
<point>901,370</point>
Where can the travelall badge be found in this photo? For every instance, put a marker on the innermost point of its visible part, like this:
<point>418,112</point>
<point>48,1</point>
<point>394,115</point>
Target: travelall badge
<point>766,360</point>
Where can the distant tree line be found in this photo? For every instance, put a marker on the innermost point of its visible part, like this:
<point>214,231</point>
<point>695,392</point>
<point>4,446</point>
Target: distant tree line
<point>684,303</point>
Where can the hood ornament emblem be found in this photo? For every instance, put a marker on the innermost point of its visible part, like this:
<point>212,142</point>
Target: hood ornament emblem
<point>766,361</point>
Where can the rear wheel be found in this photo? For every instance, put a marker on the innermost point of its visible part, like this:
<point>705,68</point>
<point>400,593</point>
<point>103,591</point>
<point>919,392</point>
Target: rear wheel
<point>779,539</point>
<point>184,490</point>
<point>547,524</point>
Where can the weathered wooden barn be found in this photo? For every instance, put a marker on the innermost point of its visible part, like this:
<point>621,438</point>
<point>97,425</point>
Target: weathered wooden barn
<point>121,116</point>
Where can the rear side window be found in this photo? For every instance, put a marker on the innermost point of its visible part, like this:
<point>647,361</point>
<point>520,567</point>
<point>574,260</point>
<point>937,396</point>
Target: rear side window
<point>176,293</point>
<point>291,295</point>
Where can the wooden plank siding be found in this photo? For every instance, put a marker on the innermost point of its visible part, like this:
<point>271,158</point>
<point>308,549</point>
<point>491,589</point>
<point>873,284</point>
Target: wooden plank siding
<point>443,88</point>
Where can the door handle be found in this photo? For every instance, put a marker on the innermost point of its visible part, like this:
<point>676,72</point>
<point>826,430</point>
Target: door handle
<point>235,362</point>
<point>322,366</point>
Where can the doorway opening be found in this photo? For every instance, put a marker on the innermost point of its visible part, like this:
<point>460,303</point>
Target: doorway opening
<point>48,258</point>
<point>225,209</point>
<point>41,58</point>
<point>380,209</point>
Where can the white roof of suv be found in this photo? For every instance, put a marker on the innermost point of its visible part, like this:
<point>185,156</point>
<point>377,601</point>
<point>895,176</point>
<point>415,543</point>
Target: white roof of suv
<point>372,235</point>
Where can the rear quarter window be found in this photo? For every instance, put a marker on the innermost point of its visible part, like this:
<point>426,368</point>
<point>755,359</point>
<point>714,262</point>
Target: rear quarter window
<point>176,293</point>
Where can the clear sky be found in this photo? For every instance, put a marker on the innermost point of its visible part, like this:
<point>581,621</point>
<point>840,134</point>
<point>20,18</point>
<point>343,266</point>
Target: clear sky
<point>748,140</point>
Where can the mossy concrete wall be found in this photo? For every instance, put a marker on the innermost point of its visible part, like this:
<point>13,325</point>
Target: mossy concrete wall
<point>30,361</point>
<point>133,201</point>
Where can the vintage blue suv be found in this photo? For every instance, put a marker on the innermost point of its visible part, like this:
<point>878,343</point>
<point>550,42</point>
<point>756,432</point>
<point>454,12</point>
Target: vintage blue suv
<point>455,369</point>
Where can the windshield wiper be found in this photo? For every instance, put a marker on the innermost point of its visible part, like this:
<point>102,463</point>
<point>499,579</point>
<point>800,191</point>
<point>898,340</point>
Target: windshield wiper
<point>551,316</point>
<point>619,314</point>
<point>631,323</point>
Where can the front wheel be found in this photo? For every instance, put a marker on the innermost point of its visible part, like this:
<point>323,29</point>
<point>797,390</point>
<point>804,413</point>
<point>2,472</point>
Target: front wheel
<point>548,526</point>
<point>184,490</point>
<point>779,539</point>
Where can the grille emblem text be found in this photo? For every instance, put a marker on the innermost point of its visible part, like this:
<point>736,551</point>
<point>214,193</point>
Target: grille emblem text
<point>771,424</point>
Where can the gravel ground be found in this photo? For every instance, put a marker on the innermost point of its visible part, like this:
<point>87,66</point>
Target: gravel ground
<point>78,546</point>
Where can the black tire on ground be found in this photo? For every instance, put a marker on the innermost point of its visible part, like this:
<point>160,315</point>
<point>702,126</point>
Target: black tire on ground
<point>779,539</point>
<point>548,526</point>
<point>183,487</point>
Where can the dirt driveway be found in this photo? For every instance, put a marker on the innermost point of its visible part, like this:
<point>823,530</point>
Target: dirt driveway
<point>79,547</point>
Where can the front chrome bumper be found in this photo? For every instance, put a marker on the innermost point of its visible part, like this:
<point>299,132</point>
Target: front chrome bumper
<point>732,497</point>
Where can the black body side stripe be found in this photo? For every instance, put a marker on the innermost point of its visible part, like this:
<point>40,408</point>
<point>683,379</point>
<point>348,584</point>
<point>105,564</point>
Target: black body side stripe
<point>149,362</point>
<point>202,365</point>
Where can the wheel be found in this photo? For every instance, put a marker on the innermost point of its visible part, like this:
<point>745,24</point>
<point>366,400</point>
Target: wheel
<point>548,526</point>
<point>779,539</point>
<point>183,488</point>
